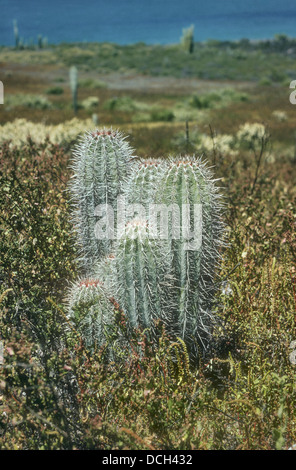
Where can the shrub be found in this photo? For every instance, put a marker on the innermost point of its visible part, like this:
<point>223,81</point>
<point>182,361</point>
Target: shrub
<point>90,102</point>
<point>91,83</point>
<point>28,101</point>
<point>162,115</point>
<point>55,90</point>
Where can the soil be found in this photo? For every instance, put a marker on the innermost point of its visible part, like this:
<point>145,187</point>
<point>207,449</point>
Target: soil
<point>52,74</point>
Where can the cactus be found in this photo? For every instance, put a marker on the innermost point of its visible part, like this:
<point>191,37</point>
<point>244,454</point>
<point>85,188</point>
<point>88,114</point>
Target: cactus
<point>105,269</point>
<point>73,76</point>
<point>100,167</point>
<point>167,274</point>
<point>143,181</point>
<point>141,187</point>
<point>186,182</point>
<point>91,311</point>
<point>187,39</point>
<point>16,34</point>
<point>140,280</point>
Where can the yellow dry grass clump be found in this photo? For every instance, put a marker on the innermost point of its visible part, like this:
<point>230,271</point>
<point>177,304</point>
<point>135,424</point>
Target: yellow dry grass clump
<point>18,130</point>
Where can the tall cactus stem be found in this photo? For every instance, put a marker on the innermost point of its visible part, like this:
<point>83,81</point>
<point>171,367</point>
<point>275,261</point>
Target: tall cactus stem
<point>100,168</point>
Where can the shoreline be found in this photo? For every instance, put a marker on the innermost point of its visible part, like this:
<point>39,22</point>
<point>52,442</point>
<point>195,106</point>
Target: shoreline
<point>210,40</point>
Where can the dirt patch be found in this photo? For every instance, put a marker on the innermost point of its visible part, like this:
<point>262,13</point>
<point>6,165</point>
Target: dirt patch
<point>50,74</point>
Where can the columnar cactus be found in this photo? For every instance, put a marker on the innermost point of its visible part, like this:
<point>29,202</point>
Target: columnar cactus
<point>73,77</point>
<point>91,311</point>
<point>188,183</point>
<point>141,277</point>
<point>100,167</point>
<point>159,264</point>
<point>16,34</point>
<point>143,181</point>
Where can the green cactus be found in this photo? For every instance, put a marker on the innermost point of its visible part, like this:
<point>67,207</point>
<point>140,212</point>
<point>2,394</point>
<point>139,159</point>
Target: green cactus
<point>143,181</point>
<point>16,34</point>
<point>100,165</point>
<point>188,182</point>
<point>91,311</point>
<point>141,189</point>
<point>187,39</point>
<point>73,77</point>
<point>141,277</point>
<point>161,264</point>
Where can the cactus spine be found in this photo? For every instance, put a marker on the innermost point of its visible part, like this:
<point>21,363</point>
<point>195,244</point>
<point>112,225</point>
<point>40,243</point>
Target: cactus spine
<point>100,169</point>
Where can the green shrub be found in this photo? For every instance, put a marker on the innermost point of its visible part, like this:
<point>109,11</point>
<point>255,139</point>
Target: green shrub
<point>90,102</point>
<point>28,101</point>
<point>162,115</point>
<point>124,104</point>
<point>92,83</point>
<point>265,81</point>
<point>217,98</point>
<point>55,90</point>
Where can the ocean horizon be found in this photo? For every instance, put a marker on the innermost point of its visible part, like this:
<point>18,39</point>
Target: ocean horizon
<point>153,22</point>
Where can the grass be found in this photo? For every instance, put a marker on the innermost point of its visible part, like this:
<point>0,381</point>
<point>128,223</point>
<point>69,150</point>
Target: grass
<point>54,394</point>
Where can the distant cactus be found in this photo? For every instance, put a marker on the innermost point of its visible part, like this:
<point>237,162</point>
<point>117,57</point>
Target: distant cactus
<point>187,39</point>
<point>41,41</point>
<point>100,167</point>
<point>16,34</point>
<point>73,76</point>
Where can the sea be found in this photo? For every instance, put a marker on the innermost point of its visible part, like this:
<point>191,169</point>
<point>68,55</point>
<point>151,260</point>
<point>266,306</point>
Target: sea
<point>149,21</point>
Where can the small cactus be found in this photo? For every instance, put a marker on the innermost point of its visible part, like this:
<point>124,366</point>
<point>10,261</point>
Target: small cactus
<point>91,311</point>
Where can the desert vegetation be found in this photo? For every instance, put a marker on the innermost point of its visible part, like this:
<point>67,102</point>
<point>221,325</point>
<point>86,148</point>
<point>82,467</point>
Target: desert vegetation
<point>59,389</point>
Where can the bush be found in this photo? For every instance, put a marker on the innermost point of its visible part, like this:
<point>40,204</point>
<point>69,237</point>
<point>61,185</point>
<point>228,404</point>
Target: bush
<point>217,98</point>
<point>91,83</point>
<point>55,90</point>
<point>28,101</point>
<point>90,102</point>
<point>162,115</point>
<point>124,103</point>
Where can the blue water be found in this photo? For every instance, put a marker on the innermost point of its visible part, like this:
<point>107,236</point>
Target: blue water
<point>150,21</point>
